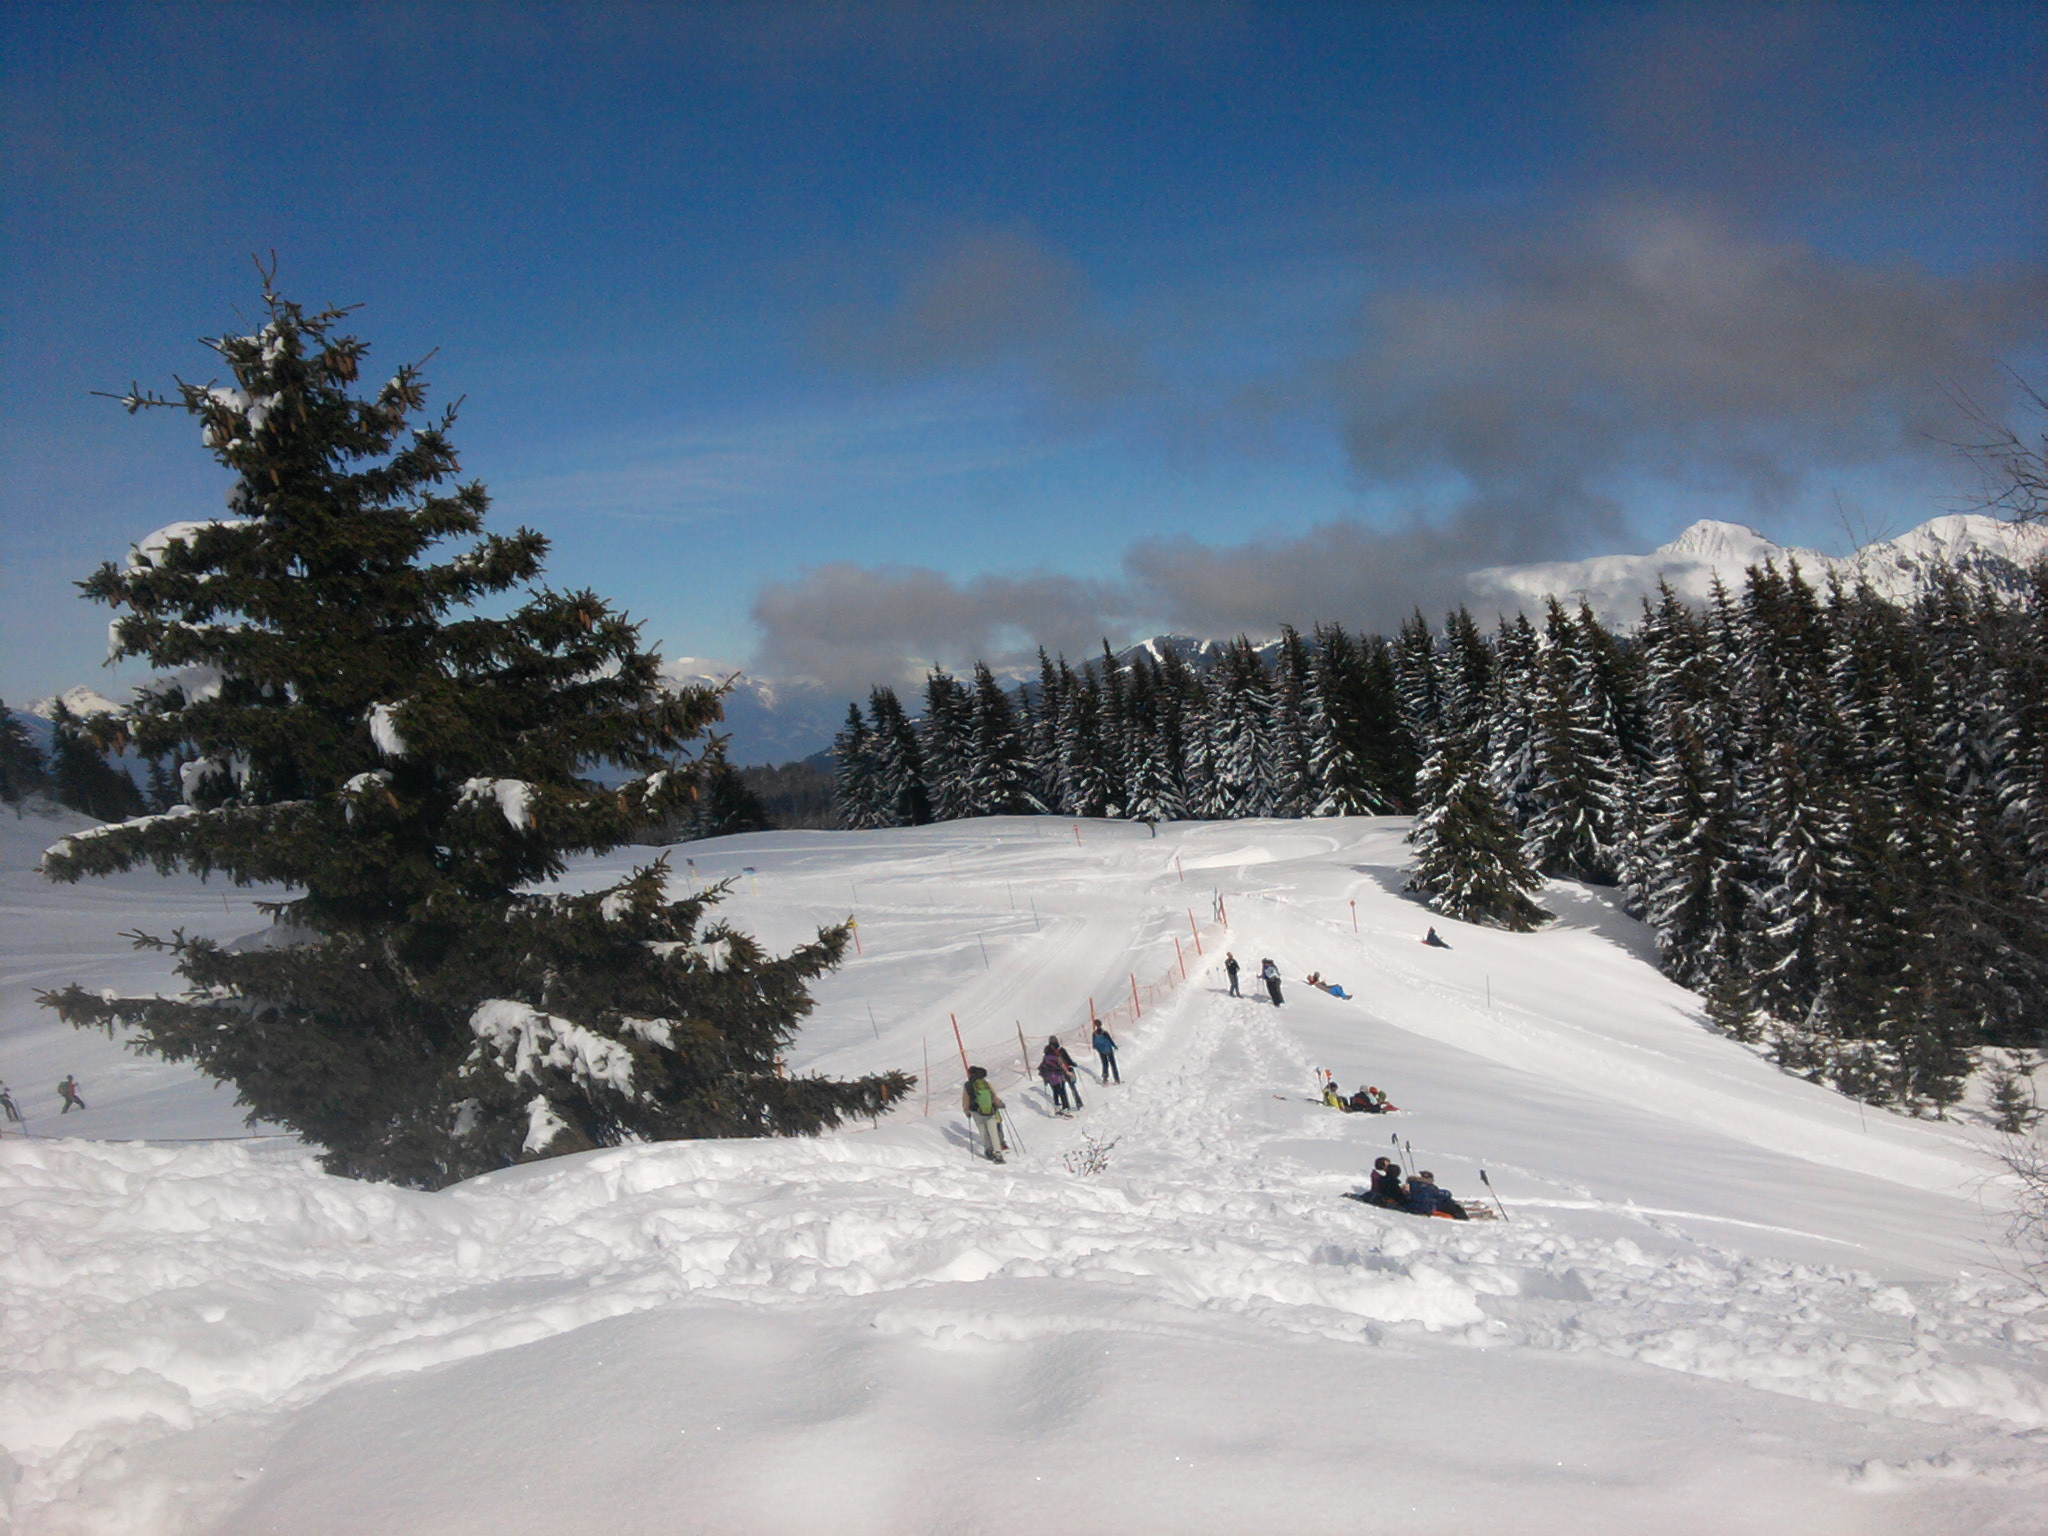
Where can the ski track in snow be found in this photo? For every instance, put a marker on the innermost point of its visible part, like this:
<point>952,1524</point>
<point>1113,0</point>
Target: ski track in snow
<point>1676,1204</point>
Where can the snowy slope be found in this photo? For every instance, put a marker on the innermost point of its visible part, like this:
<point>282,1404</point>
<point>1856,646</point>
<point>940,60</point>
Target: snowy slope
<point>1727,1301</point>
<point>1615,585</point>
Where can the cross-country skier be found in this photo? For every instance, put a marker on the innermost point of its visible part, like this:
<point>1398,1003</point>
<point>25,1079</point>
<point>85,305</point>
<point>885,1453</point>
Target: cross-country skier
<point>1105,1049</point>
<point>984,1111</point>
<point>1057,1068</point>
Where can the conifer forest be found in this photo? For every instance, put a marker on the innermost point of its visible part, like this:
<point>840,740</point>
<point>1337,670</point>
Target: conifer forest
<point>1830,808</point>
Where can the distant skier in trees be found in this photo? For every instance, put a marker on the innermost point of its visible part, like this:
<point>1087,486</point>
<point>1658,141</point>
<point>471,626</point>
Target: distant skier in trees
<point>1105,1050</point>
<point>984,1108</point>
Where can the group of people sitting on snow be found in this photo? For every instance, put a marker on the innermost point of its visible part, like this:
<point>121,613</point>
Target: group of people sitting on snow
<point>1421,1196</point>
<point>1367,1101</point>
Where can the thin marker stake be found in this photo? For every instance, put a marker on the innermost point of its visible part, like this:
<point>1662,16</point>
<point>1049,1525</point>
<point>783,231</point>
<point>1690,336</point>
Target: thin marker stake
<point>871,1022</point>
<point>984,952</point>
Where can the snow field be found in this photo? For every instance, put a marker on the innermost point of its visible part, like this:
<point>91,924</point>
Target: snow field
<point>1705,1314</point>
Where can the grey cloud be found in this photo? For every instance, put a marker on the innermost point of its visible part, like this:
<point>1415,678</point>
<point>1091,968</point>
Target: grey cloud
<point>849,627</point>
<point>1659,341</point>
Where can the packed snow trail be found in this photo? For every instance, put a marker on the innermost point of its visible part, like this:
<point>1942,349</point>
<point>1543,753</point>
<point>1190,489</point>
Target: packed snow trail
<point>1696,1321</point>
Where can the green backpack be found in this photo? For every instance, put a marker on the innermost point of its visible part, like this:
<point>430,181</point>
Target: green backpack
<point>984,1097</point>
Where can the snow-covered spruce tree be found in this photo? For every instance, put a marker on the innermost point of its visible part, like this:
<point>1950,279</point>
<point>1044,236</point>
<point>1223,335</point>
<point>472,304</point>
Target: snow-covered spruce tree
<point>22,769</point>
<point>81,778</point>
<point>999,772</point>
<point>1469,861</point>
<point>357,730</point>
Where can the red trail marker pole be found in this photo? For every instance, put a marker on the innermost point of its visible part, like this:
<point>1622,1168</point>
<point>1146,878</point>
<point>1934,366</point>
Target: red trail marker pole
<point>1183,959</point>
<point>1077,834</point>
<point>1136,1012</point>
<point>856,936</point>
<point>1195,929</point>
<point>1354,917</point>
<point>958,1041</point>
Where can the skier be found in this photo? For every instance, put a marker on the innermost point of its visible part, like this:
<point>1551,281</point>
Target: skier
<point>1057,1068</point>
<point>984,1111</point>
<point>7,1105</point>
<point>1433,941</point>
<point>68,1092</point>
<point>1105,1048</point>
<point>1230,970</point>
<point>1271,973</point>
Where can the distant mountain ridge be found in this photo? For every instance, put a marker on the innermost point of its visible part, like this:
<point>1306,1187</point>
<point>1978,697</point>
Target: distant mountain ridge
<point>780,720</point>
<point>1615,585</point>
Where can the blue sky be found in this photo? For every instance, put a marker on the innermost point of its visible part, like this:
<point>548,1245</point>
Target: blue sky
<point>829,339</point>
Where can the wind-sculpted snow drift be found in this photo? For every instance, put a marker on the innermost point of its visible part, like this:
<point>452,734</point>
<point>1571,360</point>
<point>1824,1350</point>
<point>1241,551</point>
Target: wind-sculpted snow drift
<point>1707,1313</point>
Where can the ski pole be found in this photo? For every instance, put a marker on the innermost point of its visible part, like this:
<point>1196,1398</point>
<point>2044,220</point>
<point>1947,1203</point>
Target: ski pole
<point>1010,1131</point>
<point>1493,1192</point>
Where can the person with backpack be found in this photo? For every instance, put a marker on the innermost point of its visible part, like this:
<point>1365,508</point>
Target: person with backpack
<point>1271,974</point>
<point>984,1112</point>
<point>1105,1049</point>
<point>1230,970</point>
<point>68,1092</point>
<point>1059,1073</point>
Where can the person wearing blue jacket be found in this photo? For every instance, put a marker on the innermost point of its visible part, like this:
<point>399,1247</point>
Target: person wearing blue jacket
<point>1105,1050</point>
<point>1426,1199</point>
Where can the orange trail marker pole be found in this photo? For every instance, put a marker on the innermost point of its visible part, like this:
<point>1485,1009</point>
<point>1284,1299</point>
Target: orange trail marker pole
<point>958,1041</point>
<point>1195,929</point>
<point>1183,959</point>
<point>1023,1051</point>
<point>1136,1011</point>
<point>1178,870</point>
<point>1354,917</point>
<point>856,936</point>
<point>1077,834</point>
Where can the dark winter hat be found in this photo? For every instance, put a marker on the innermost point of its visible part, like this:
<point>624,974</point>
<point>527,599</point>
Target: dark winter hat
<point>1378,1162</point>
<point>1426,1176</point>
<point>1051,1041</point>
<point>977,1072</point>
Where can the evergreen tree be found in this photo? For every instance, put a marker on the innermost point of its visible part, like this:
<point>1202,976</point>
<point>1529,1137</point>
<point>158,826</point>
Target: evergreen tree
<point>902,798</point>
<point>81,778</point>
<point>1244,765</point>
<point>403,744</point>
<point>856,794</point>
<point>22,769</point>
<point>1468,857</point>
<point>1576,802</point>
<point>946,743</point>
<point>1000,777</point>
<point>1294,780</point>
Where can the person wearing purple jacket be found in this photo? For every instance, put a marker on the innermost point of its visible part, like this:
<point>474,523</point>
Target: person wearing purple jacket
<point>1057,1069</point>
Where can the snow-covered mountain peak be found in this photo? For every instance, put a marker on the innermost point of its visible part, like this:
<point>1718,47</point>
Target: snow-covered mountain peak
<point>81,701</point>
<point>1720,543</point>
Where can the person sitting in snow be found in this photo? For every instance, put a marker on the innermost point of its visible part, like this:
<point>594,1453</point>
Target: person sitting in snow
<point>1433,941</point>
<point>1426,1199</point>
<point>984,1108</point>
<point>1386,1183</point>
<point>1370,1101</point>
<point>1386,1186</point>
<point>1059,1073</point>
<point>1333,1095</point>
